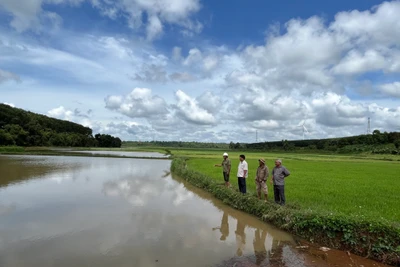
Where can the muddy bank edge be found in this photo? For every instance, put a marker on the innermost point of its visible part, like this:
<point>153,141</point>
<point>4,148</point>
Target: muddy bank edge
<point>375,240</point>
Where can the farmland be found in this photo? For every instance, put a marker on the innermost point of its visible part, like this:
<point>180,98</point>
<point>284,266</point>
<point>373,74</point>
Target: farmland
<point>359,186</point>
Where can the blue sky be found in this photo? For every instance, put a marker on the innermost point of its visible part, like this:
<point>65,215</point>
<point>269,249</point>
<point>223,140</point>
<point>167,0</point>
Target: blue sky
<point>205,70</point>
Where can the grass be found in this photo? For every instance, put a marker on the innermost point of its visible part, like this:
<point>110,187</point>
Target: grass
<point>11,149</point>
<point>359,186</point>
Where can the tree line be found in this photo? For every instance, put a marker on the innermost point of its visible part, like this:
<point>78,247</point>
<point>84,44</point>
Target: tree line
<point>175,144</point>
<point>374,143</point>
<point>24,128</point>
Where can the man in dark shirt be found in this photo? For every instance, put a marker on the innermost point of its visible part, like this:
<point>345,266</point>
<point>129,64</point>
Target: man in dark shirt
<point>279,173</point>
<point>226,168</point>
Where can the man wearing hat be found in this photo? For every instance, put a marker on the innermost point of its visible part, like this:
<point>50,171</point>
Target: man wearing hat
<point>226,168</point>
<point>261,179</point>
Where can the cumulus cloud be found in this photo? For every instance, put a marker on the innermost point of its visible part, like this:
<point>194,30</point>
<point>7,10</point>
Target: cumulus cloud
<point>75,115</point>
<point>391,89</point>
<point>61,113</point>
<point>189,109</point>
<point>139,103</point>
<point>355,62</point>
<point>370,27</point>
<point>209,102</point>
<point>336,111</point>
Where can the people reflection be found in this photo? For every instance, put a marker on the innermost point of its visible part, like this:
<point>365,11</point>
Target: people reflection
<point>240,237</point>
<point>224,228</point>
<point>259,246</point>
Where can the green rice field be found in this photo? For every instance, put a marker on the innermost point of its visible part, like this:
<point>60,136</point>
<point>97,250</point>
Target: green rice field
<point>360,185</point>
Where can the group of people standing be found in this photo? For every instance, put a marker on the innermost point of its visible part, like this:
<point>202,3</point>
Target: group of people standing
<point>279,173</point>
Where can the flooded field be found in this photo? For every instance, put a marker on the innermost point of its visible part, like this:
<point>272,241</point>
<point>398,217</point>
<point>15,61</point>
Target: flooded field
<point>124,153</point>
<point>83,211</point>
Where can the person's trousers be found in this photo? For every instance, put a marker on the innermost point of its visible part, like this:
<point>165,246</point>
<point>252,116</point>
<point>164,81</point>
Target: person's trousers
<point>242,184</point>
<point>279,194</point>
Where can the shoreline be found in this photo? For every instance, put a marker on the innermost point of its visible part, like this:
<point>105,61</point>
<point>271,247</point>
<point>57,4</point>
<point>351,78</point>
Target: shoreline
<point>75,154</point>
<point>375,240</point>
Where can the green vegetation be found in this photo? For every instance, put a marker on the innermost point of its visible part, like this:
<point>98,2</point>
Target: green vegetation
<point>11,149</point>
<point>345,202</point>
<point>22,128</point>
<point>337,184</point>
<point>173,144</point>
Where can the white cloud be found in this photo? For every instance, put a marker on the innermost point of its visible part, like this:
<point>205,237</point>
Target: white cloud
<point>32,15</point>
<point>194,56</point>
<point>190,111</point>
<point>355,62</point>
<point>391,89</point>
<point>182,77</point>
<point>154,28</point>
<point>140,103</point>
<point>75,115</point>
<point>25,13</point>
<point>9,104</point>
<point>210,63</point>
<point>61,113</point>
<point>373,27</point>
<point>209,102</point>
<point>336,111</point>
<point>151,73</point>
<point>266,124</point>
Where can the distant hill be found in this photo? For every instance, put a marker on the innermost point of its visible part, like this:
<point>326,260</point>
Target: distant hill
<point>24,128</point>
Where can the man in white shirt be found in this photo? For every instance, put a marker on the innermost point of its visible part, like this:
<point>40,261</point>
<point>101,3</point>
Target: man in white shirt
<point>242,174</point>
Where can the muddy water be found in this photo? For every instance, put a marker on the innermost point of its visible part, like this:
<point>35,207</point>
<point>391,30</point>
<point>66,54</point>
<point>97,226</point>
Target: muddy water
<point>82,211</point>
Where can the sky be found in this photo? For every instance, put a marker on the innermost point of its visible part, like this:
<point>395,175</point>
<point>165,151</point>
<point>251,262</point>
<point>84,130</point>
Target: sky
<point>205,70</point>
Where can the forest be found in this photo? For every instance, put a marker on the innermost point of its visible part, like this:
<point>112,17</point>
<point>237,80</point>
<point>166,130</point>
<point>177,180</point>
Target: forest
<point>24,128</point>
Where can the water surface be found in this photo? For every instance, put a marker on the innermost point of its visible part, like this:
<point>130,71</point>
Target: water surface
<point>83,211</point>
<point>124,153</point>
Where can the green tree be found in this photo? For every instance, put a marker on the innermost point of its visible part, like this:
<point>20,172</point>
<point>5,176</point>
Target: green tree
<point>397,144</point>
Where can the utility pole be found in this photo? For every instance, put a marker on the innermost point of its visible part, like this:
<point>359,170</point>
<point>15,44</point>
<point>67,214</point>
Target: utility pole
<point>369,126</point>
<point>256,136</point>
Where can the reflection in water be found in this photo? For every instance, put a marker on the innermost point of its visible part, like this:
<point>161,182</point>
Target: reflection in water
<point>224,228</point>
<point>16,169</point>
<point>260,251</point>
<point>123,153</point>
<point>240,237</point>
